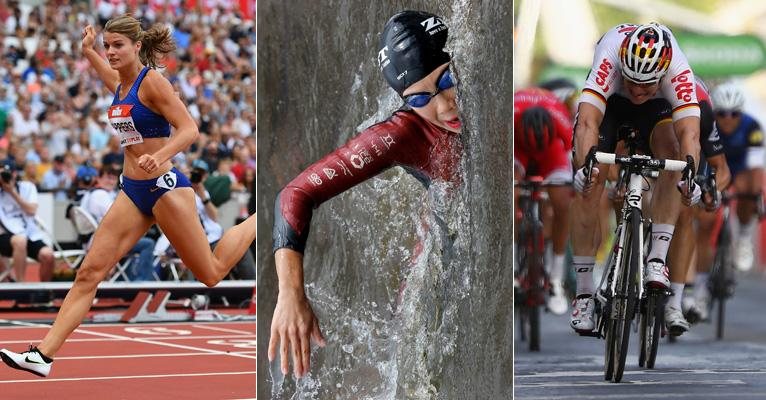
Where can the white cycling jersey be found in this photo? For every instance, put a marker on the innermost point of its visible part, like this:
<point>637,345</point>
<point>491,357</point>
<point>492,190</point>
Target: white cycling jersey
<point>605,77</point>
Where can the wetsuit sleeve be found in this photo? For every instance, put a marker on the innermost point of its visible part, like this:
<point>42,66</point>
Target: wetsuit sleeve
<point>364,156</point>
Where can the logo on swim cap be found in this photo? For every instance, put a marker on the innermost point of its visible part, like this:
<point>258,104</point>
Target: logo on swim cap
<point>431,23</point>
<point>383,57</point>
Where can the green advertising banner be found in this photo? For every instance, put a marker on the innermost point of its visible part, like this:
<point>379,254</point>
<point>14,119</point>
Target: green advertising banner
<point>711,56</point>
<point>714,56</point>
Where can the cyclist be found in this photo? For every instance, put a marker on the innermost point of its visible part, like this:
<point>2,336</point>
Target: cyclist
<point>639,78</point>
<point>542,142</point>
<point>742,139</point>
<point>683,248</point>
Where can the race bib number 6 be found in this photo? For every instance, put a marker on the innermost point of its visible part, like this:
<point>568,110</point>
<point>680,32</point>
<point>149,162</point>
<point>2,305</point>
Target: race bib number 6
<point>167,181</point>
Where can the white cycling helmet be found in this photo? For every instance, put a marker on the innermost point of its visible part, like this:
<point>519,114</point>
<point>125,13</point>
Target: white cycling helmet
<point>728,97</point>
<point>645,54</point>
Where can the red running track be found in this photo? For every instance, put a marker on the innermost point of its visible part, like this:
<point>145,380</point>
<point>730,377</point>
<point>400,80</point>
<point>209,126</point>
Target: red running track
<point>168,361</point>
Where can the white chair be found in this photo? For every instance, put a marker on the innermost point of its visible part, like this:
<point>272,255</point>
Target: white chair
<point>85,225</point>
<point>71,257</point>
<point>171,263</point>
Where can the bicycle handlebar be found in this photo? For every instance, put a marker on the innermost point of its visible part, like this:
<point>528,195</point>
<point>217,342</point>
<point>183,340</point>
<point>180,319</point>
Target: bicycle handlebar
<point>642,161</point>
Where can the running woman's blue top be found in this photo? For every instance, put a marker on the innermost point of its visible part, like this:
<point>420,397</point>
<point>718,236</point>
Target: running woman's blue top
<point>133,121</point>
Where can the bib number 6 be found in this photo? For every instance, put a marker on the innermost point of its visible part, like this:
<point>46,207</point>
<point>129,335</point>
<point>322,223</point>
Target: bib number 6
<point>167,181</point>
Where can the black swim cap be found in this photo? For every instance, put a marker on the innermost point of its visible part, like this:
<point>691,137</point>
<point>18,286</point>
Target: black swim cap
<point>411,47</point>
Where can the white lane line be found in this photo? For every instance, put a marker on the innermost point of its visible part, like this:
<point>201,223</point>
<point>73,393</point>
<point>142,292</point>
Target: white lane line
<point>548,384</point>
<point>147,341</point>
<point>153,338</point>
<point>728,395</point>
<point>572,374</point>
<point>147,355</point>
<point>98,378</point>
<point>215,328</point>
<point>123,324</point>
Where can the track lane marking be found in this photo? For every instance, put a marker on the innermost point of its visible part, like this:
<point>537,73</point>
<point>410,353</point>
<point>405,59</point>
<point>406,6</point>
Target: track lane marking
<point>154,338</point>
<point>96,378</point>
<point>139,340</point>
<point>146,355</point>
<point>215,328</point>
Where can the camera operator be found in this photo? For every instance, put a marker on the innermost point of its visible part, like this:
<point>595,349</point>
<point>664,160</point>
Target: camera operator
<point>21,237</point>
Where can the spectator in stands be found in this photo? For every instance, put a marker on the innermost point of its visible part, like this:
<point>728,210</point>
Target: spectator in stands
<point>114,156</point>
<point>57,180</point>
<point>97,202</point>
<point>21,237</point>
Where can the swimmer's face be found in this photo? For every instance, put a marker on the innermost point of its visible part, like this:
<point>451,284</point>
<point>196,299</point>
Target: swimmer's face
<point>120,50</point>
<point>442,109</point>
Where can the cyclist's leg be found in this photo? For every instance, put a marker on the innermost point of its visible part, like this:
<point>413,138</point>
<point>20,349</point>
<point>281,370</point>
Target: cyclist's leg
<point>666,199</point>
<point>560,197</point>
<point>680,254</point>
<point>744,184</point>
<point>706,223</point>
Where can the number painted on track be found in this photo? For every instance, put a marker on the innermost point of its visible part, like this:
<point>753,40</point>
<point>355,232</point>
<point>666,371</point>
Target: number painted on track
<point>238,343</point>
<point>158,330</point>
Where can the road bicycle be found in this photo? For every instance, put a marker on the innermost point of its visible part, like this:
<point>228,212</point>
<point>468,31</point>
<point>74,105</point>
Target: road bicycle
<point>530,280</point>
<point>621,295</point>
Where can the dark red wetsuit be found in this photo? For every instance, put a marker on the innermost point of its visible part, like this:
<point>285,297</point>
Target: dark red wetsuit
<point>426,151</point>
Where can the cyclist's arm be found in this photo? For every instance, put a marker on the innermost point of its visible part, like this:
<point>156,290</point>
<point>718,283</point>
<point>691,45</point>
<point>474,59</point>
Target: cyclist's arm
<point>722,173</point>
<point>586,131</point>
<point>688,133</point>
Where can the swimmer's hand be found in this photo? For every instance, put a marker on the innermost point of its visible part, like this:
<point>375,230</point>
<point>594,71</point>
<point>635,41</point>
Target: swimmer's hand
<point>293,326</point>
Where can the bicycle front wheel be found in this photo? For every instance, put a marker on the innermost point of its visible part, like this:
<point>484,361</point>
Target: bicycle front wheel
<point>651,326</point>
<point>626,293</point>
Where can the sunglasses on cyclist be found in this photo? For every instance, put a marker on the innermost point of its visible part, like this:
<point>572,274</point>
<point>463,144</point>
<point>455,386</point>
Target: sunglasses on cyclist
<point>733,114</point>
<point>421,99</point>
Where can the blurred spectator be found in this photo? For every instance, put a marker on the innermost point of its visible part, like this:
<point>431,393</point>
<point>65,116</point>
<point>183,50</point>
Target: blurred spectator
<point>57,180</point>
<point>20,237</point>
<point>114,156</point>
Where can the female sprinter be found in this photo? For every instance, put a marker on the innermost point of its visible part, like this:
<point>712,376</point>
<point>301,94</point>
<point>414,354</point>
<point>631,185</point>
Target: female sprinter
<point>144,107</point>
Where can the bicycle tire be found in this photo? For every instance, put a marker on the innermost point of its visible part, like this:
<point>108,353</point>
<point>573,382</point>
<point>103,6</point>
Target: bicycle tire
<point>626,288</point>
<point>721,318</point>
<point>536,271</point>
<point>534,328</point>
<point>609,345</point>
<point>656,318</point>
<point>720,275</point>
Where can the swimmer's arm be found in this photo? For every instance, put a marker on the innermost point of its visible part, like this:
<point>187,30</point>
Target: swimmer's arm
<point>294,323</point>
<point>161,98</point>
<point>107,75</point>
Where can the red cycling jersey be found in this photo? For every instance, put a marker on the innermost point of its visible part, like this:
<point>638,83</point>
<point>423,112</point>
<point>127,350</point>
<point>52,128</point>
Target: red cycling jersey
<point>405,139</point>
<point>555,156</point>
